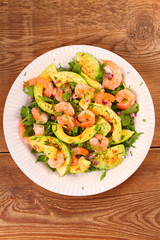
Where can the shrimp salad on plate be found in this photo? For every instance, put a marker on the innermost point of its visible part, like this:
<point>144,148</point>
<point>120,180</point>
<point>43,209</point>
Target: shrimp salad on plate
<point>79,119</point>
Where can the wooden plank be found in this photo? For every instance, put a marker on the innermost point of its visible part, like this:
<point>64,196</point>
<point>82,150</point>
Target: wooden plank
<point>129,211</point>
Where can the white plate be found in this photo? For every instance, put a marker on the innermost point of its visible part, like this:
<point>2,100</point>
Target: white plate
<point>79,184</point>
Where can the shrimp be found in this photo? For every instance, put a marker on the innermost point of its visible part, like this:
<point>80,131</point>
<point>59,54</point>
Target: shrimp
<point>66,120</point>
<point>21,132</point>
<point>125,99</point>
<point>86,118</point>
<point>38,129</point>
<point>57,161</point>
<point>58,92</point>
<point>104,98</point>
<point>38,116</point>
<point>65,108</point>
<point>77,151</point>
<point>112,81</point>
<point>41,81</point>
<point>81,89</point>
<point>99,142</point>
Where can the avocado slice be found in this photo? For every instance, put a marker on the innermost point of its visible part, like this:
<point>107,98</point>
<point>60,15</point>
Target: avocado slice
<point>126,134</point>
<point>82,166</point>
<point>44,144</point>
<point>105,127</point>
<point>85,101</point>
<point>65,77</point>
<point>83,137</point>
<point>99,109</point>
<point>93,83</point>
<point>111,158</point>
<point>38,90</point>
<point>47,71</point>
<point>90,65</point>
<point>38,93</point>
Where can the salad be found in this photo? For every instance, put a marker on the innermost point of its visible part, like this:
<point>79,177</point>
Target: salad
<point>79,119</point>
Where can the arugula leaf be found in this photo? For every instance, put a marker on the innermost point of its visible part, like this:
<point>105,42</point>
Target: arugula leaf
<point>29,90</point>
<point>103,175</point>
<point>34,151</point>
<point>46,99</point>
<point>132,139</point>
<point>72,85</point>
<point>44,158</point>
<point>75,131</point>
<point>60,69</point>
<point>28,131</point>
<point>66,96</point>
<point>101,74</point>
<point>25,111</point>
<point>74,67</point>
<point>75,104</point>
<point>48,128</point>
<point>125,114</point>
<point>33,104</point>
<point>27,116</point>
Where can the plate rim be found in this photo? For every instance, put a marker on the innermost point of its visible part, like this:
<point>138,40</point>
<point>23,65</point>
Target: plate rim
<point>5,115</point>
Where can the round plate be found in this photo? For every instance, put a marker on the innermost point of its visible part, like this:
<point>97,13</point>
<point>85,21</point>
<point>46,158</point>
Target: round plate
<point>85,183</point>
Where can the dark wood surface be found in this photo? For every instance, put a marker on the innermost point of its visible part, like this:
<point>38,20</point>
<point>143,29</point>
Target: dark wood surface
<point>129,28</point>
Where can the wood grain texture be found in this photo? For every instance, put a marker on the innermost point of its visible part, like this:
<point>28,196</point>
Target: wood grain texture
<point>129,211</point>
<point>129,28</point>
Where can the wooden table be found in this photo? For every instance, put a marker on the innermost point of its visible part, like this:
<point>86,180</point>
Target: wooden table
<point>129,28</point>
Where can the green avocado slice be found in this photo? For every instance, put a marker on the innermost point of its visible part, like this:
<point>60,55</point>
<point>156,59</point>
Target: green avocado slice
<point>83,137</point>
<point>99,109</point>
<point>111,158</point>
<point>105,127</point>
<point>90,65</point>
<point>61,78</point>
<point>38,90</point>
<point>47,71</point>
<point>93,83</point>
<point>38,94</point>
<point>82,166</point>
<point>44,144</point>
<point>126,134</point>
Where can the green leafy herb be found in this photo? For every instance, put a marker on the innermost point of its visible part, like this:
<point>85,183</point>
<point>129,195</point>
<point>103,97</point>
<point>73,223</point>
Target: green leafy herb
<point>33,104</point>
<point>28,131</point>
<point>131,153</point>
<point>75,131</point>
<point>74,67</point>
<point>58,114</point>
<point>82,188</point>
<point>75,104</point>
<point>103,175</point>
<point>60,69</point>
<point>101,74</point>
<point>28,90</point>
<point>25,73</point>
<point>72,85</point>
<point>27,116</point>
<point>66,96</point>
<point>92,169</point>
<point>44,158</point>
<point>132,139</point>
<point>144,120</point>
<point>114,92</point>
<point>125,114</point>
<point>140,83</point>
<point>33,150</point>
